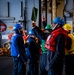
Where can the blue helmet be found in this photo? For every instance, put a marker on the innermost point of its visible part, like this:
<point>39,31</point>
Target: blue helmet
<point>17,26</point>
<point>31,32</point>
<point>59,20</point>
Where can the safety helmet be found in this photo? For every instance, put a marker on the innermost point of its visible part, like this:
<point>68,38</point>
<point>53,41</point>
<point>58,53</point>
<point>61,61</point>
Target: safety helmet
<point>67,27</point>
<point>59,20</point>
<point>48,27</point>
<point>17,26</point>
<point>31,32</point>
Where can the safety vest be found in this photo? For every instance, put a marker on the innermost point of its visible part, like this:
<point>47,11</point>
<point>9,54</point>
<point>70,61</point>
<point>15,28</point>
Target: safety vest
<point>71,51</point>
<point>50,42</point>
<point>14,49</point>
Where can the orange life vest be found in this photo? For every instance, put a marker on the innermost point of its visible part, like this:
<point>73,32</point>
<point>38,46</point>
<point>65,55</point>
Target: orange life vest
<point>25,37</point>
<point>50,42</point>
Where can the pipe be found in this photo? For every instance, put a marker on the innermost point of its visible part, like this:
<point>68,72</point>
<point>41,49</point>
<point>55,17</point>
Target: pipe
<point>21,9</point>
<point>7,18</point>
<point>73,17</point>
<point>25,18</point>
<point>66,2</point>
<point>46,10</point>
<point>8,13</point>
<point>40,14</point>
<point>53,9</point>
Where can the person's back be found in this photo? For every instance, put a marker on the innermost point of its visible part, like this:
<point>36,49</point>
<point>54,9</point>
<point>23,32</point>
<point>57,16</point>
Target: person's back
<point>33,48</point>
<point>14,46</point>
<point>69,54</point>
<point>33,54</point>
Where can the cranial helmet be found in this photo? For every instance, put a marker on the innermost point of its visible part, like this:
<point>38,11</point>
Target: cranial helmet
<point>17,26</point>
<point>31,32</point>
<point>67,27</point>
<point>59,20</point>
<point>48,27</point>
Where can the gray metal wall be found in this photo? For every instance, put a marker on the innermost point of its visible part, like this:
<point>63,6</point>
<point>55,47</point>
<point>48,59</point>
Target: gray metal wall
<point>15,12</point>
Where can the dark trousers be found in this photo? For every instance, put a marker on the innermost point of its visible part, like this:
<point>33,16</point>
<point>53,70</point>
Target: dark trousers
<point>52,72</point>
<point>43,64</point>
<point>33,67</point>
<point>69,64</point>
<point>55,68</point>
<point>19,67</point>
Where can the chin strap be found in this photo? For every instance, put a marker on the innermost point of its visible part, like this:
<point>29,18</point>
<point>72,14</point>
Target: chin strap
<point>54,27</point>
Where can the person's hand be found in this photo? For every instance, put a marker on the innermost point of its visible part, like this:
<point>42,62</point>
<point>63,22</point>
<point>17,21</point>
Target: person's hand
<point>25,63</point>
<point>43,18</point>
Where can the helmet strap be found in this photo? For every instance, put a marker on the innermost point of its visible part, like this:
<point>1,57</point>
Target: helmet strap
<point>54,27</point>
<point>20,32</point>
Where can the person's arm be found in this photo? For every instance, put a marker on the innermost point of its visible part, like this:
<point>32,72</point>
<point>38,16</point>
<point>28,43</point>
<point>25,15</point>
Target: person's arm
<point>21,48</point>
<point>39,34</point>
<point>43,22</point>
